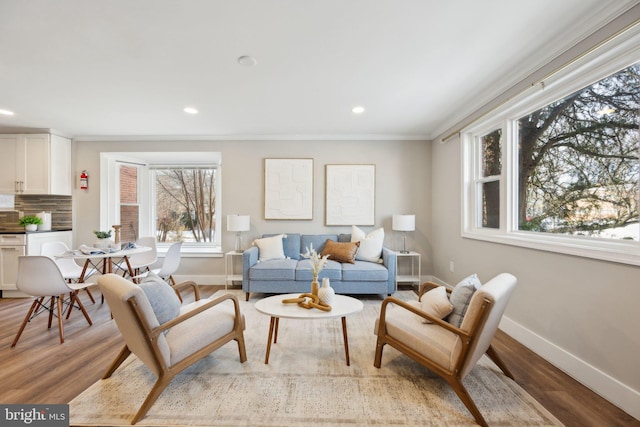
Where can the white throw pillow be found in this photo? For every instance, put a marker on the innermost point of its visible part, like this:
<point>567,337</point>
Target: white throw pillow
<point>270,247</point>
<point>370,244</point>
<point>436,303</point>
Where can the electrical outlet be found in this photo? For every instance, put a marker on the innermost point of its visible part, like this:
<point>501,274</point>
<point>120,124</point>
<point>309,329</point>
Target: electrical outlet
<point>452,267</point>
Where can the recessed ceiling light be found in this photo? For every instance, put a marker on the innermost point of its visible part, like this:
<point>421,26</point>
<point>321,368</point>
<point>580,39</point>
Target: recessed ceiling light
<point>247,61</point>
<point>357,110</point>
<point>6,112</point>
<point>190,110</point>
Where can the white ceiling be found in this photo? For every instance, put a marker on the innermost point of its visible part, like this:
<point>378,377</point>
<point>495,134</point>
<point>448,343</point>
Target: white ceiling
<point>128,68</point>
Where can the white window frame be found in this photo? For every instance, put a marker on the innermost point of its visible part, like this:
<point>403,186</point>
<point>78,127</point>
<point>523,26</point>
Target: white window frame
<point>110,190</point>
<point>607,59</point>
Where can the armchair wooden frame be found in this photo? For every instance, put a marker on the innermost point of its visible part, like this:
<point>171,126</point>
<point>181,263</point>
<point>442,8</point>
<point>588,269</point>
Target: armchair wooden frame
<point>467,339</point>
<point>166,373</point>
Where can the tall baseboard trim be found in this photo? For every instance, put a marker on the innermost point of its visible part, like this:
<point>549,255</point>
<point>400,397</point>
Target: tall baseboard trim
<point>599,382</point>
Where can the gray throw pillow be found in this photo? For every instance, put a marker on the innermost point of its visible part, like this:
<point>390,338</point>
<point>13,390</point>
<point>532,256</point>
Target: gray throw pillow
<point>461,297</point>
<point>162,297</point>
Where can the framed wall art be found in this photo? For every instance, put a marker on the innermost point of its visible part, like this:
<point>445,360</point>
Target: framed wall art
<point>350,194</point>
<point>288,189</point>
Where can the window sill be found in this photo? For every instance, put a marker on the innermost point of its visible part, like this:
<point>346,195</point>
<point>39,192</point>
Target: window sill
<point>624,252</point>
<point>194,252</point>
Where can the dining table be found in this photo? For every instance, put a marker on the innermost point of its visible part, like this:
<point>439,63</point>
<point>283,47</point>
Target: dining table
<point>104,261</point>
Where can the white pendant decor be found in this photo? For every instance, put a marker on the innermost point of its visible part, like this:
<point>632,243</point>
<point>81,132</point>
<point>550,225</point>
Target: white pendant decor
<point>326,292</point>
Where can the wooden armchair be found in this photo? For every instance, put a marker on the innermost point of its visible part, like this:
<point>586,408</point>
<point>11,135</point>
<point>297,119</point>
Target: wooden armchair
<point>168,348</point>
<point>442,348</point>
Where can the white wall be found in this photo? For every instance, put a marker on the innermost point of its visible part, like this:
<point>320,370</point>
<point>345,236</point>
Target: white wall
<point>402,186</point>
<point>580,314</point>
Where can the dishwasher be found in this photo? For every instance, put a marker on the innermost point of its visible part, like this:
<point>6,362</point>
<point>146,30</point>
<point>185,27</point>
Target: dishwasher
<point>11,247</point>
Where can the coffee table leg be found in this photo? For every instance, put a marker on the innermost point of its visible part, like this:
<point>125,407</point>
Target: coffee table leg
<point>275,333</point>
<point>271,328</point>
<point>346,341</point>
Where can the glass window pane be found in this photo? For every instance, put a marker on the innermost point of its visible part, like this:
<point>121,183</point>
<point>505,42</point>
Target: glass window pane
<point>129,209</point>
<point>491,204</point>
<point>578,161</point>
<point>491,153</point>
<point>185,204</point>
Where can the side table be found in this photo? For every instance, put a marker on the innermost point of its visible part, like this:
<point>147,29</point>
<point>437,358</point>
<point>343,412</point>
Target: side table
<point>404,272</point>
<point>230,261</point>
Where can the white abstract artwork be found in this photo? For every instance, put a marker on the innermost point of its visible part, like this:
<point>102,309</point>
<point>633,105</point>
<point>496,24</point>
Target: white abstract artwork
<point>288,189</point>
<point>350,194</point>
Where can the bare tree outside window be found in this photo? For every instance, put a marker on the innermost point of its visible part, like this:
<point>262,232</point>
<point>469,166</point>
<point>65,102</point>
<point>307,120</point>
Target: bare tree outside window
<point>578,161</point>
<point>491,169</point>
<point>185,204</point>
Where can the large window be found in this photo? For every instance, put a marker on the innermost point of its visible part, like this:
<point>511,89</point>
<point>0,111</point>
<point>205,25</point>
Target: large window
<point>559,169</point>
<point>172,196</point>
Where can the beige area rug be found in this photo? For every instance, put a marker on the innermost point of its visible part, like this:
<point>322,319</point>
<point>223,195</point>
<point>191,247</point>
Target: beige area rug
<point>307,383</point>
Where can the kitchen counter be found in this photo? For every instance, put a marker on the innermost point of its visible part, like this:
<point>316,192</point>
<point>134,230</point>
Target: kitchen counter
<point>33,232</point>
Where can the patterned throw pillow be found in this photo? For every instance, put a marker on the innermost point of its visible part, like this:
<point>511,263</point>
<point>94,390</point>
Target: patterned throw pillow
<point>341,252</point>
<point>461,297</point>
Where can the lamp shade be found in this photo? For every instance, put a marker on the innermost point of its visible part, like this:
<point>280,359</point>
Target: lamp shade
<point>238,222</point>
<point>404,223</point>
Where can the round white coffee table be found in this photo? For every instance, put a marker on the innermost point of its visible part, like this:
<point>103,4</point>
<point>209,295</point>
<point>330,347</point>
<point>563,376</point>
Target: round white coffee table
<point>273,306</point>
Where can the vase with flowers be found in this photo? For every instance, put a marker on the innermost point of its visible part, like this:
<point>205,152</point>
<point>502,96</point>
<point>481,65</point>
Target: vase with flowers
<point>317,264</point>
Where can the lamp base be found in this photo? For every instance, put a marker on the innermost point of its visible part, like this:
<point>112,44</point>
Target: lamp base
<point>404,251</point>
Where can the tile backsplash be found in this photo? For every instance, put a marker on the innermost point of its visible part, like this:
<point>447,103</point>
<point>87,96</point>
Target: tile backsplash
<point>59,206</point>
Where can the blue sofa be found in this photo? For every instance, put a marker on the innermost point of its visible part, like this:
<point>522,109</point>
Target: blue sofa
<point>293,274</point>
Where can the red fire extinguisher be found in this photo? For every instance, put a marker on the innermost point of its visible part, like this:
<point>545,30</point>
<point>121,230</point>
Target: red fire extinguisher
<point>84,180</point>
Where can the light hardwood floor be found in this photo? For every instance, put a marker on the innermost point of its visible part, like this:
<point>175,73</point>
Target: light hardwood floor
<point>40,370</point>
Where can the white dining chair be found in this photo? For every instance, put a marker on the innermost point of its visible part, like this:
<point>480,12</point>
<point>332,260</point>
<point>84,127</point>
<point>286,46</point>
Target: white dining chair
<point>70,270</point>
<point>142,262</point>
<point>40,277</point>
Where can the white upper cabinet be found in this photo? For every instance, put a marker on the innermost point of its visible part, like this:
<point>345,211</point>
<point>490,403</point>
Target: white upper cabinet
<point>35,164</point>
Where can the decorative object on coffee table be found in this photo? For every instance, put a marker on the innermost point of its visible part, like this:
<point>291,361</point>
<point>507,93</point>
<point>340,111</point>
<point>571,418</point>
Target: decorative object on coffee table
<point>317,264</point>
<point>326,293</point>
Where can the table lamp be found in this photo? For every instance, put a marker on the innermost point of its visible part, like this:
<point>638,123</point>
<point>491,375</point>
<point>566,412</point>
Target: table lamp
<point>238,223</point>
<point>404,223</point>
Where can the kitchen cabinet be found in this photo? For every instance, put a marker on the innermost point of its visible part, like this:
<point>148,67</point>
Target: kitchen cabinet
<point>14,245</point>
<point>11,247</point>
<point>35,164</point>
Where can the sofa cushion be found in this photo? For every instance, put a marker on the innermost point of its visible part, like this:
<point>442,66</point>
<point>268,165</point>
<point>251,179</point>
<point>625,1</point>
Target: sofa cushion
<point>276,269</point>
<point>460,298</point>
<point>332,270</point>
<point>290,244</point>
<point>341,252</point>
<point>370,244</point>
<point>270,247</point>
<point>364,271</point>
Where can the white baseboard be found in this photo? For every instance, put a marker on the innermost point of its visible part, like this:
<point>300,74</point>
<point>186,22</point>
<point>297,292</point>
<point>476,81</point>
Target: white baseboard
<point>606,386</point>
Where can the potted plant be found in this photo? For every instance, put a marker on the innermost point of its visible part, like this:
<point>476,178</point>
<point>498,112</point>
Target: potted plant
<point>104,239</point>
<point>30,222</point>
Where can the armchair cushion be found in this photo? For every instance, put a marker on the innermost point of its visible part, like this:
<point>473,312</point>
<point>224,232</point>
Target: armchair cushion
<point>460,298</point>
<point>341,252</point>
<point>270,247</point>
<point>436,303</point>
<point>163,299</point>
